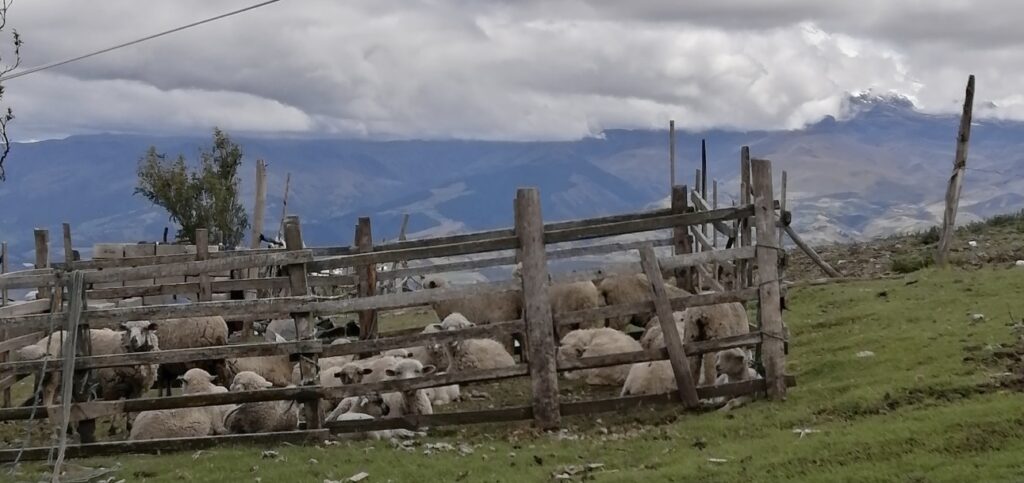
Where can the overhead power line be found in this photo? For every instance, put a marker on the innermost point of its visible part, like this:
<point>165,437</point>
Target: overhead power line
<point>133,42</point>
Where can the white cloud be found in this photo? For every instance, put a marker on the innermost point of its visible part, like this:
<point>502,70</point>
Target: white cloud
<point>498,69</point>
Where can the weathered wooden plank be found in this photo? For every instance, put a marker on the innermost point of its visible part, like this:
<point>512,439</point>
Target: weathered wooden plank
<point>685,379</point>
<point>203,254</point>
<point>192,268</point>
<point>465,248</point>
<point>42,238</point>
<point>631,402</point>
<point>813,255</point>
<point>701,204</point>
<point>540,330</point>
<point>650,224</point>
<point>29,279</point>
<point>27,308</point>
<point>317,280</point>
<point>387,343</point>
<point>773,355</point>
<point>21,341</point>
<point>678,303</point>
<point>111,448</point>
<point>169,356</point>
<point>167,258</point>
<point>692,349</point>
<point>682,242</point>
<point>436,380</point>
<point>217,286</point>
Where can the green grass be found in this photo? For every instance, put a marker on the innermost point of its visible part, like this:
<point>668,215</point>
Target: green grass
<point>926,407</point>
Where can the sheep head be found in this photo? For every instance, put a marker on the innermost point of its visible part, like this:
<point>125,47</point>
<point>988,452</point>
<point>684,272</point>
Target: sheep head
<point>352,373</point>
<point>249,381</point>
<point>409,369</point>
<point>733,362</point>
<point>575,344</point>
<point>139,336</point>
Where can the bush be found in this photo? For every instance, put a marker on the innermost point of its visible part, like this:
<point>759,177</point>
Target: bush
<point>205,198</point>
<point>910,263</point>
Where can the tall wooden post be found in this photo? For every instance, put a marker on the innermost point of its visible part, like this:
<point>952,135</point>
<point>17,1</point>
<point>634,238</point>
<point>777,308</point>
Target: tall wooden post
<point>671,154</point>
<point>682,242</point>
<point>309,370</point>
<point>537,309</point>
<point>769,308</point>
<point>957,179</point>
<point>69,251</point>
<point>42,238</point>
<point>3,269</point>
<point>744,277</point>
<point>704,169</point>
<point>4,333</point>
<point>367,279</point>
<point>203,253</point>
<point>258,215</point>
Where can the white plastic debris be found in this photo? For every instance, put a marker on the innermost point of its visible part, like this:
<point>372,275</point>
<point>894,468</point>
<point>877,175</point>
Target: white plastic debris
<point>718,460</point>
<point>972,244</point>
<point>977,317</point>
<point>1019,263</point>
<point>359,476</point>
<point>804,431</point>
<point>863,354</point>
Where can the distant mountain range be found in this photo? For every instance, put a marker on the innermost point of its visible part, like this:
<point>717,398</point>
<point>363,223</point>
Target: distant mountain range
<point>879,169</point>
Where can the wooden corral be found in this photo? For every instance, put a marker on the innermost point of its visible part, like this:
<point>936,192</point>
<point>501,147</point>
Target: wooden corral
<point>751,230</point>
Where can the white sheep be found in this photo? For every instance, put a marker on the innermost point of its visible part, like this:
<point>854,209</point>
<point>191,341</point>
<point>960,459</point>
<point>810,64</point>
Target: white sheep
<point>597,342</point>
<point>569,297</point>
<point>367,408</point>
<point>711,322</point>
<point>411,402</point>
<point>259,417</point>
<point>733,365</point>
<point>278,370</point>
<point>190,333</point>
<point>184,422</point>
<point>487,308</point>
<point>649,378</point>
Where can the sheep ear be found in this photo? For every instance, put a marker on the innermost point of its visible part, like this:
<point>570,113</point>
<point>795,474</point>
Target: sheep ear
<point>429,369</point>
<point>123,325</point>
<point>211,377</point>
<point>152,326</point>
<point>366,370</point>
<point>266,384</point>
<point>390,372</point>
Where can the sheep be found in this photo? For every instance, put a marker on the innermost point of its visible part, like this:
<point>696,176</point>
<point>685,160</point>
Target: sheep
<point>128,382</point>
<point>364,408</point>
<point>259,417</point>
<point>574,296</point>
<point>649,378</point>
<point>184,422</point>
<point>733,365</point>
<point>191,333</point>
<point>472,354</point>
<point>411,402</point>
<point>482,308</point>
<point>628,289</point>
<point>276,369</point>
<point>570,297</point>
<point>653,338</point>
<point>597,342</point>
<point>712,322</point>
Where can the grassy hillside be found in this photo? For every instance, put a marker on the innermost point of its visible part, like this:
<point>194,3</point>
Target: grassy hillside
<point>932,403</point>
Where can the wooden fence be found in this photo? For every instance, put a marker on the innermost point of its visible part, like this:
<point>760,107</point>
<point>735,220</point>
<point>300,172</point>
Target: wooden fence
<point>529,240</point>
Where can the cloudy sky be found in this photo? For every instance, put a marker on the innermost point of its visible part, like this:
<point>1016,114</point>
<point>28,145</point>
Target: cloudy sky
<point>502,69</point>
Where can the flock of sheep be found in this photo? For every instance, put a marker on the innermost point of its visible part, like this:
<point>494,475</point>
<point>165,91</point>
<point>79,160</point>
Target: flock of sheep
<point>596,338</point>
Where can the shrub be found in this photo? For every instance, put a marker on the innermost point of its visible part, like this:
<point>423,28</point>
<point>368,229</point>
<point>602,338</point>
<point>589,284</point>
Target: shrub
<point>910,263</point>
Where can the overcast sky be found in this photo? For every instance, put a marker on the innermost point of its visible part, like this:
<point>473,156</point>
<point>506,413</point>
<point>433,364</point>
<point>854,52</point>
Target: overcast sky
<point>502,69</point>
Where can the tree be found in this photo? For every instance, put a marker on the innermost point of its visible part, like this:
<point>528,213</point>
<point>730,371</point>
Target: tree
<point>8,116</point>
<point>205,198</point>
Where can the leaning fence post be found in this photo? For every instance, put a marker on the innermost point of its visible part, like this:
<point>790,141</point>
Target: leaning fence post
<point>685,380</point>
<point>3,301</point>
<point>769,308</point>
<point>367,277</point>
<point>304,330</point>
<point>537,309</point>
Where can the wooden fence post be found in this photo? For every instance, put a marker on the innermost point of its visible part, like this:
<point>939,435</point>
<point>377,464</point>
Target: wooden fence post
<point>367,279</point>
<point>769,309</point>
<point>746,270</point>
<point>309,370</point>
<point>5,332</point>
<point>42,257</point>
<point>682,242</point>
<point>957,178</point>
<point>258,215</point>
<point>203,253</point>
<point>537,309</point>
<point>671,155</point>
<point>685,378</point>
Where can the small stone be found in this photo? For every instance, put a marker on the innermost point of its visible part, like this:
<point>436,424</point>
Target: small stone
<point>863,354</point>
<point>977,317</point>
<point>359,476</point>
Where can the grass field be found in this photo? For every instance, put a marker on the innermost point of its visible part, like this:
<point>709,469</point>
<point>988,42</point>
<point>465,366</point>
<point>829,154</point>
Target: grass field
<point>932,402</point>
